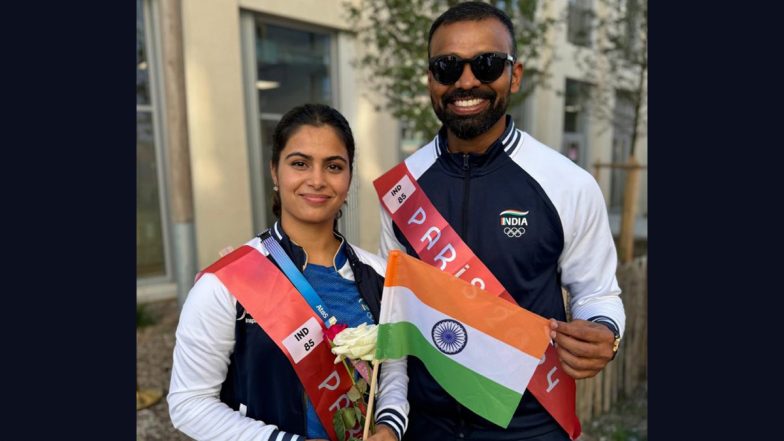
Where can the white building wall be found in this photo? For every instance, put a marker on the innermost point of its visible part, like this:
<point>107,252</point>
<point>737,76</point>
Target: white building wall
<point>216,126</point>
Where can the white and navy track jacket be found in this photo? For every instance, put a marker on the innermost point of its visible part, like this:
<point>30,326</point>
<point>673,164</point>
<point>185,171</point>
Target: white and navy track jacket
<point>538,222</point>
<point>230,381</point>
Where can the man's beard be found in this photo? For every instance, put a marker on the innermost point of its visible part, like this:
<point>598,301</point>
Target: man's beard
<point>469,127</point>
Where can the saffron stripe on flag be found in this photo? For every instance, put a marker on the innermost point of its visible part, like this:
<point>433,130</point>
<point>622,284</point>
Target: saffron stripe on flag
<point>486,355</point>
<point>469,304</point>
<point>492,401</point>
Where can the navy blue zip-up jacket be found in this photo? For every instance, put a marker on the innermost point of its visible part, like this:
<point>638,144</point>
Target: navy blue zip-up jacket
<point>256,360</point>
<point>538,222</point>
<point>231,381</point>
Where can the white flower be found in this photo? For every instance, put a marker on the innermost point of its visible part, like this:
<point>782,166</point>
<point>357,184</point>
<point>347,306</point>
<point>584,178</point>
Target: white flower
<point>356,343</point>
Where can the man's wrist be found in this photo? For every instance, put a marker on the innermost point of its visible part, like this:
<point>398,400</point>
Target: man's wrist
<point>610,323</point>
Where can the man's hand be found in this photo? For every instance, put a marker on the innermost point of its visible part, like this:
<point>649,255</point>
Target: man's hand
<point>383,433</point>
<point>584,347</point>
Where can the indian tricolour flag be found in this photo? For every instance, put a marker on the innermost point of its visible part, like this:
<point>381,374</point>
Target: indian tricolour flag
<point>480,348</point>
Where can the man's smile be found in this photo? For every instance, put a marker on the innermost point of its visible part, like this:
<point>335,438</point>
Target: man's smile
<point>468,106</point>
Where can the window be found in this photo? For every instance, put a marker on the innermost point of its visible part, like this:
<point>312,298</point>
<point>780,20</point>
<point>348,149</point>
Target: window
<point>632,23</point>
<point>286,65</point>
<point>575,123</point>
<point>623,124</point>
<point>150,227</point>
<point>579,16</point>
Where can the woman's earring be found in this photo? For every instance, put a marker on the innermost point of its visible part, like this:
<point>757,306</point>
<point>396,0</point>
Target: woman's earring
<point>275,188</point>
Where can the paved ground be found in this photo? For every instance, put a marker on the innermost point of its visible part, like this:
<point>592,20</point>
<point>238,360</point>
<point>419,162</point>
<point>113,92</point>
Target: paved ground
<point>155,343</point>
<point>154,346</point>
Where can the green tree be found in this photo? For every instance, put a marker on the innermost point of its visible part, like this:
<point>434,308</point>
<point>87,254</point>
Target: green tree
<point>395,35</point>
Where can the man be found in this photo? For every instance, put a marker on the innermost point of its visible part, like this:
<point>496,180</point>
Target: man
<point>535,220</point>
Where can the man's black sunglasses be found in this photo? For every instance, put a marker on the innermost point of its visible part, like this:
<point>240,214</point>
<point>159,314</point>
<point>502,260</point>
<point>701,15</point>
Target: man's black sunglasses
<point>486,67</point>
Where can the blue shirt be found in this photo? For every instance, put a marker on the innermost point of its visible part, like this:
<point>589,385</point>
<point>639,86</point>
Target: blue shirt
<point>342,299</point>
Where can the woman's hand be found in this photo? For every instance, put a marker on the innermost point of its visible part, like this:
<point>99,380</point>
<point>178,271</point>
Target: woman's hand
<point>383,433</point>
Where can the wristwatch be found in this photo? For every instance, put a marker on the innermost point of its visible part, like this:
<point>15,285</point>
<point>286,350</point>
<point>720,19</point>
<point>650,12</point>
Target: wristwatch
<point>606,321</point>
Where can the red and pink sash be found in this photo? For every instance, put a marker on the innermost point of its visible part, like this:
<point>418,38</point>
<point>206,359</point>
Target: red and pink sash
<point>268,296</point>
<point>437,243</point>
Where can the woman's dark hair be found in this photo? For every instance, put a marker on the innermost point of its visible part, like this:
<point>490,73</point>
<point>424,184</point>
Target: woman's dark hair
<point>473,11</point>
<point>316,115</point>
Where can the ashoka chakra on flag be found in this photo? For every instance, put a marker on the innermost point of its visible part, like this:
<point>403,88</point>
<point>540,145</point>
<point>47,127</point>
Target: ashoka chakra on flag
<point>449,336</point>
<point>429,314</point>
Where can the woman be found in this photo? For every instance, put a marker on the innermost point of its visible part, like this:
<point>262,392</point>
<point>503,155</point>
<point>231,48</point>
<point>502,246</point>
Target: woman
<point>243,376</point>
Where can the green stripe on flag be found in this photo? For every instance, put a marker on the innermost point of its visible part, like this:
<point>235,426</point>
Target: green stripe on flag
<point>485,397</point>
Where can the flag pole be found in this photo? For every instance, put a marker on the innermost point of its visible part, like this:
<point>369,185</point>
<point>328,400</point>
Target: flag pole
<point>371,400</point>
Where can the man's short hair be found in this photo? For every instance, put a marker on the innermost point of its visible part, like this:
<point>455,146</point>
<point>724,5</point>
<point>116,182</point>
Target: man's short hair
<point>473,11</point>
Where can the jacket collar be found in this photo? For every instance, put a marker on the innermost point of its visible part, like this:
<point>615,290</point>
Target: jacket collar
<point>368,288</point>
<point>298,254</point>
<point>456,160</point>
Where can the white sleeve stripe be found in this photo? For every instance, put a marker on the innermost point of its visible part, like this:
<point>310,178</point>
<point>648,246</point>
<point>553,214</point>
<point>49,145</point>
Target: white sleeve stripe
<point>278,435</point>
<point>283,436</point>
<point>394,425</point>
<point>515,142</point>
<point>392,421</point>
<point>393,416</point>
<point>393,413</point>
<point>511,131</point>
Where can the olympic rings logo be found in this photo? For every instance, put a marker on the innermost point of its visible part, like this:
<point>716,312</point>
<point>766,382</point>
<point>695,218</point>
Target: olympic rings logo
<point>514,231</point>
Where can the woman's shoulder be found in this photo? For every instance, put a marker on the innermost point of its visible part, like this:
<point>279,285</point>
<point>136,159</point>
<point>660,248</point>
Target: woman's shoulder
<point>257,244</point>
<point>378,263</point>
<point>208,288</point>
<point>208,297</point>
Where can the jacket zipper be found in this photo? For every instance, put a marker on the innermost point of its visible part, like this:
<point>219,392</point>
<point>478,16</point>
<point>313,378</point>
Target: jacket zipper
<point>466,193</point>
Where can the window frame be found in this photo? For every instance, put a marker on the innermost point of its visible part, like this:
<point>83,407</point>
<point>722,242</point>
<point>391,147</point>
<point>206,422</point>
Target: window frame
<point>157,102</point>
<point>623,120</point>
<point>254,116</point>
<point>583,120</point>
<point>585,10</point>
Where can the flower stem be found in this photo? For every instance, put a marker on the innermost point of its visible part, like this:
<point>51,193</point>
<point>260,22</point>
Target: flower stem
<point>350,373</point>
